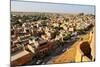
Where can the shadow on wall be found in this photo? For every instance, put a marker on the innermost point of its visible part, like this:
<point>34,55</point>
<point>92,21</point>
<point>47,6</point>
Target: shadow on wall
<point>86,49</point>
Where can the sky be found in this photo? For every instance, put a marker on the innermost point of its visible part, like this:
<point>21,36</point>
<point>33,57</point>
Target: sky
<point>26,6</point>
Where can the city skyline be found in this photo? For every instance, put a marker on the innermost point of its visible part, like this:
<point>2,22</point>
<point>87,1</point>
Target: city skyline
<point>29,6</point>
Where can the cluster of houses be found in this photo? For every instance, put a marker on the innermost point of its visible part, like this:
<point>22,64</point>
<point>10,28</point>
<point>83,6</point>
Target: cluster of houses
<point>36,29</point>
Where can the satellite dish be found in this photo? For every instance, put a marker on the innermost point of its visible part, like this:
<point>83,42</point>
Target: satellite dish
<point>86,49</point>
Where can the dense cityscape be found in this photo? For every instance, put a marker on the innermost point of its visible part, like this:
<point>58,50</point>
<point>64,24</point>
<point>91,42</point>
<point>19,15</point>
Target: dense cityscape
<point>42,33</point>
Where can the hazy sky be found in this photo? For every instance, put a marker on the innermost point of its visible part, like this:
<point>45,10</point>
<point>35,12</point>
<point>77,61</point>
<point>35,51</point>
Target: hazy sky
<point>26,6</point>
